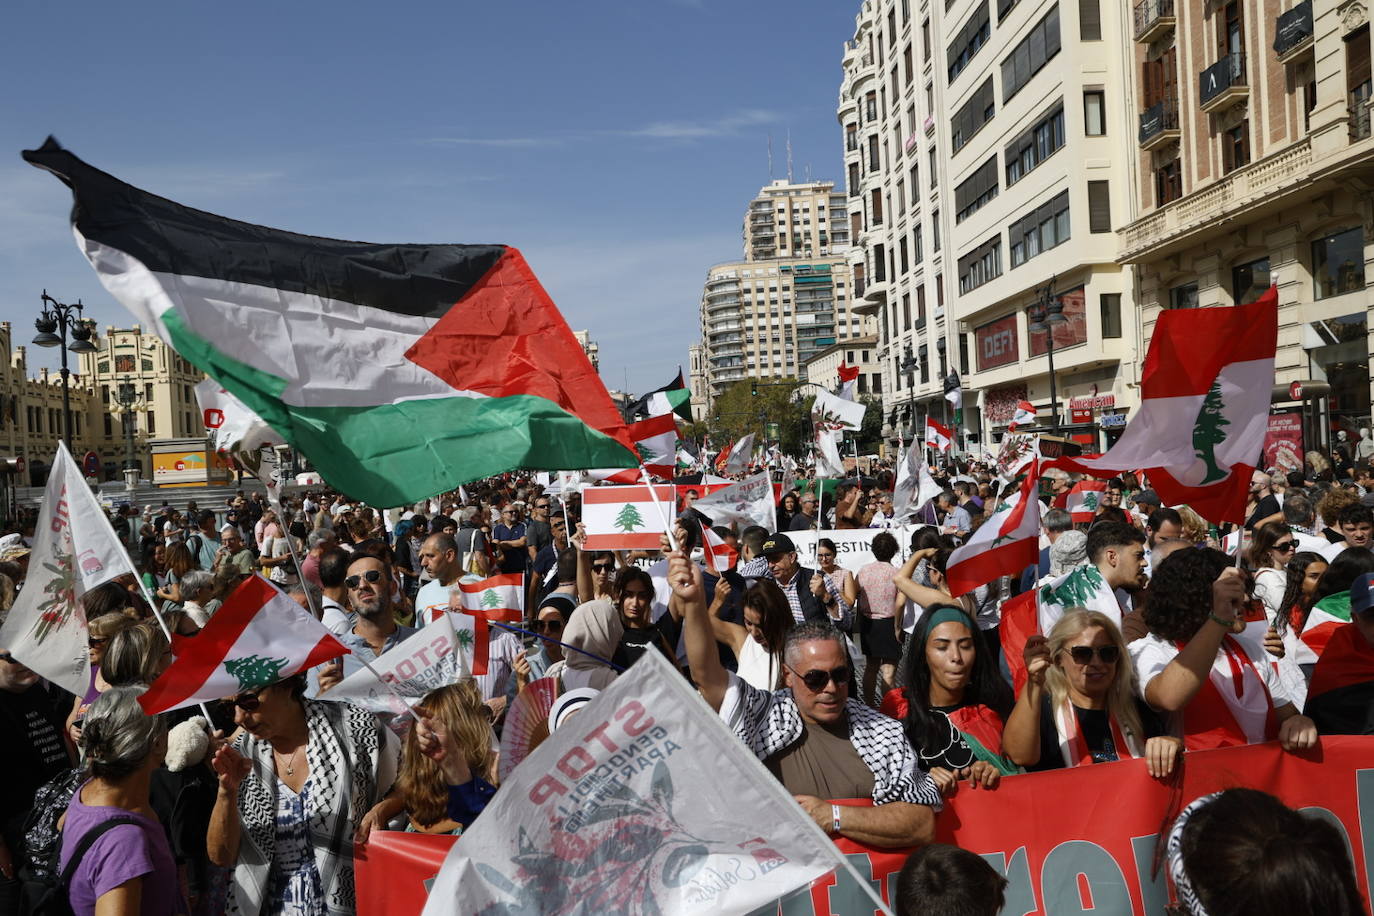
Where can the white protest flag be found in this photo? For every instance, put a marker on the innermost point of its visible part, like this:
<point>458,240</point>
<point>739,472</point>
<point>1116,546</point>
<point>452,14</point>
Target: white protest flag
<point>737,461</point>
<point>746,502</point>
<point>74,550</point>
<point>430,658</point>
<point>835,413</point>
<point>625,813</point>
<point>828,461</point>
<point>915,487</point>
<point>233,427</point>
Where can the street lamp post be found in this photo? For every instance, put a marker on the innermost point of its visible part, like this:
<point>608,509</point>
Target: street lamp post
<point>1044,313</point>
<point>944,374</point>
<point>128,398</point>
<point>909,365</point>
<point>63,318</point>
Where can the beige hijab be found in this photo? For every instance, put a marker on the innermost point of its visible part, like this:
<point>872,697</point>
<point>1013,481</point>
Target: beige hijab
<point>594,627</point>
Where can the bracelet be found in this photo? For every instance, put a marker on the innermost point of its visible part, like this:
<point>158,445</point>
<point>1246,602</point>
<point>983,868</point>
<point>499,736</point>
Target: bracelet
<point>1221,620</point>
<point>835,819</point>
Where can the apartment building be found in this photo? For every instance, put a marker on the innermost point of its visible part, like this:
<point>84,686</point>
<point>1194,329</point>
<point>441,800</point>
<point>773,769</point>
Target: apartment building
<point>987,167</point>
<point>1254,165</point>
<point>789,297</point>
<point>823,369</point>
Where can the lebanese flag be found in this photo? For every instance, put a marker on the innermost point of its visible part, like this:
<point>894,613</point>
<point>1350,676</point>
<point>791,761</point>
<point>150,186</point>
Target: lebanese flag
<point>655,440</point>
<point>499,597</point>
<point>1085,498</point>
<point>258,637</point>
<point>1327,616</point>
<point>719,555</point>
<point>1341,697</point>
<point>1024,416</point>
<point>938,436</point>
<point>400,370</point>
<point>849,377</point>
<point>1233,706</point>
<point>1019,623</point>
<point>1004,545</point>
<point>1204,409</point>
<point>625,518</point>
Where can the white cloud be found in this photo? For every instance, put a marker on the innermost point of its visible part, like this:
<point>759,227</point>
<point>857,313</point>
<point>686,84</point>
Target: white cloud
<point>498,142</point>
<point>696,130</point>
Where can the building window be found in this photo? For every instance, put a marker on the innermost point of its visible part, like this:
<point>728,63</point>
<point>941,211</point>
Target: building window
<point>152,423</point>
<point>1089,20</point>
<point>935,229</point>
<point>1338,263</point>
<point>1110,304</point>
<point>1095,113</point>
<point>1183,297</point>
<point>920,306</point>
<point>925,364</point>
<point>1034,51</point>
<point>970,40</point>
<point>1037,144</point>
<point>875,207</point>
<point>1099,206</point>
<point>974,113</point>
<point>851,137</point>
<point>1249,281</point>
<point>1045,228</point>
<point>874,164</point>
<point>903,258</point>
<point>981,265</point>
<point>931,153</point>
<point>925,40</point>
<point>1168,183</point>
<point>1235,151</point>
<point>976,190</point>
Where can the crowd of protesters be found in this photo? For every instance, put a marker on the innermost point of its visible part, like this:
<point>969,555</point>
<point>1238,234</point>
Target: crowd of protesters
<point>874,683</point>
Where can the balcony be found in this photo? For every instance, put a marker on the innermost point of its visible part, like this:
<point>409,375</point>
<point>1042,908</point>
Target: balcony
<point>1224,83</point>
<point>1159,124</point>
<point>1293,32</point>
<point>928,124</point>
<point>1153,19</point>
<point>911,142</point>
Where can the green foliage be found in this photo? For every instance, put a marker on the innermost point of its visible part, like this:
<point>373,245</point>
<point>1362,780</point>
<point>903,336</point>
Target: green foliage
<point>738,412</point>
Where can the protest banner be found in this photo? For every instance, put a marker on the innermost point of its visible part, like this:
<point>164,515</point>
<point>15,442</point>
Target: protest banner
<point>625,518</point>
<point>433,657</point>
<point>748,502</point>
<point>1068,841</point>
<point>853,546</point>
<point>623,813</point>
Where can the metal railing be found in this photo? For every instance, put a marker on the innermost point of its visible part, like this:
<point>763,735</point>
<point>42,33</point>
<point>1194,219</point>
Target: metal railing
<point>1148,12</point>
<point>1158,118</point>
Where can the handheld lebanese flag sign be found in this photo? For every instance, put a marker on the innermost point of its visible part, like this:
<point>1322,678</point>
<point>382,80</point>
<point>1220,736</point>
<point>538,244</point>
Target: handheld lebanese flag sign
<point>434,657</point>
<point>401,371</point>
<point>1003,545</point>
<point>624,518</point>
<point>553,840</point>
<point>849,377</point>
<point>496,597</point>
<point>74,550</point>
<point>1024,416</point>
<point>258,637</point>
<point>938,436</point>
<point>1085,499</point>
<point>719,555</point>
<point>1204,409</point>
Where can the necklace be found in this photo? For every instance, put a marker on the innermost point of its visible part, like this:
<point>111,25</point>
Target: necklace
<point>290,761</point>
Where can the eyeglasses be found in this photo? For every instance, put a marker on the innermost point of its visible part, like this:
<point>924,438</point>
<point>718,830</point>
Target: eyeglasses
<point>95,643</point>
<point>603,567</point>
<point>548,626</point>
<point>7,657</point>
<point>816,679</point>
<point>372,575</point>
<point>1083,655</point>
<point>541,505</point>
<point>1286,546</point>
<point>247,701</point>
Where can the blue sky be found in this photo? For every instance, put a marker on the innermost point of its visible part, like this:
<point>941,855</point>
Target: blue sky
<point>616,142</point>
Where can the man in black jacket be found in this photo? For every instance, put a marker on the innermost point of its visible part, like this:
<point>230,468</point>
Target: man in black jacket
<point>811,594</point>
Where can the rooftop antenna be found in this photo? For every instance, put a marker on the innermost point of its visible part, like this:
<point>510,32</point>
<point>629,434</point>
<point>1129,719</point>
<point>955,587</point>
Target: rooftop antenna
<point>789,155</point>
<point>770,155</point>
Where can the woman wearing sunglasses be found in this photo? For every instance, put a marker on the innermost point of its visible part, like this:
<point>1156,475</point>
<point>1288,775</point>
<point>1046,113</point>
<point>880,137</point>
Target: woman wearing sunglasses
<point>1270,552</point>
<point>1079,705</point>
<point>543,660</point>
<point>954,701</point>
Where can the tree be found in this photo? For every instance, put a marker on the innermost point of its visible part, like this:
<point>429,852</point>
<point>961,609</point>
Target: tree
<point>629,518</point>
<point>870,434</point>
<point>253,672</point>
<point>1208,434</point>
<point>738,412</point>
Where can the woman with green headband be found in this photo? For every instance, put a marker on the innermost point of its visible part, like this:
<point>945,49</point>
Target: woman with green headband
<point>953,702</point>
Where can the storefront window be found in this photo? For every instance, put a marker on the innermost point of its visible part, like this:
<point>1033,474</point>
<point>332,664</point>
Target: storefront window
<point>1343,363</point>
<point>1338,263</point>
<point>1249,281</point>
<point>1068,333</point>
<point>1183,297</point>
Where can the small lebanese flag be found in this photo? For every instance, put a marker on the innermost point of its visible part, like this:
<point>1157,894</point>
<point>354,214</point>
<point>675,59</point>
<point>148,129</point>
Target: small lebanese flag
<point>1084,499</point>
<point>1024,416</point>
<point>258,637</point>
<point>719,555</point>
<point>1004,545</point>
<point>656,442</point>
<point>624,518</point>
<point>849,376</point>
<point>937,436</point>
<point>496,597</point>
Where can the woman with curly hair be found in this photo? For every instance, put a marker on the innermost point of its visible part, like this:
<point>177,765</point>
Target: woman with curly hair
<point>954,701</point>
<point>428,782</point>
<point>1199,664</point>
<point>1194,526</point>
<point>1303,572</point>
<point>1079,705</point>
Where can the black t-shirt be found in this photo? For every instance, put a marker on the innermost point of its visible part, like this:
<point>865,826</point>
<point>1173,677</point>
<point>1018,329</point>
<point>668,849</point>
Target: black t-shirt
<point>1094,727</point>
<point>31,733</point>
<point>951,751</point>
<point>635,641</point>
<point>1267,507</point>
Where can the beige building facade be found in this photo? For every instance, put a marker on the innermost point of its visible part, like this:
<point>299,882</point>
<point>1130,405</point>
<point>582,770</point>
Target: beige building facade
<point>823,369</point>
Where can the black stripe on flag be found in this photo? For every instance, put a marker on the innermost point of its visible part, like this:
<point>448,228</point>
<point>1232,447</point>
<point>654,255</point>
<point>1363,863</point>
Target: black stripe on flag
<point>419,280</point>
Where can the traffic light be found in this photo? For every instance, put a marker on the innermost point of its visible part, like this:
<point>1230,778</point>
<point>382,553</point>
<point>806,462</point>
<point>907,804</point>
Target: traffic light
<point>754,387</point>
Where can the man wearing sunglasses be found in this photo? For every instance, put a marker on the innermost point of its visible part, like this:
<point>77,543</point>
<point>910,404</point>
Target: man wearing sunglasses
<point>375,629</point>
<point>810,593</point>
<point>818,742</point>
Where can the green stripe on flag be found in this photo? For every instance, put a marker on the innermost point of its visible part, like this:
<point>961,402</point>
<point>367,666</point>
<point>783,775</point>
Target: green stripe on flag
<point>392,454</point>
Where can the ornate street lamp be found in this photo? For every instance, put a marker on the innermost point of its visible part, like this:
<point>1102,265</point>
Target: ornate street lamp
<point>54,324</point>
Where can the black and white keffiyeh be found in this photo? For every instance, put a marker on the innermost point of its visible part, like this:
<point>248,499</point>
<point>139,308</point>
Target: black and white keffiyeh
<point>769,722</point>
<point>1187,897</point>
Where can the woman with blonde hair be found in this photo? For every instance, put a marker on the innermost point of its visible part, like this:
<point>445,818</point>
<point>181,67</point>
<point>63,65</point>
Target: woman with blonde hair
<point>436,791</point>
<point>1194,526</point>
<point>1079,705</point>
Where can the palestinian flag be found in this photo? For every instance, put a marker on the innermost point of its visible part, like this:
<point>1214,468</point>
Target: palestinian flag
<point>1327,616</point>
<point>674,397</point>
<point>655,442</point>
<point>954,393</point>
<point>1085,499</point>
<point>1004,545</point>
<point>401,371</point>
<point>625,518</point>
<point>499,597</point>
<point>938,436</point>
<point>1024,416</point>
<point>258,637</point>
<point>1204,411</point>
<point>1341,697</point>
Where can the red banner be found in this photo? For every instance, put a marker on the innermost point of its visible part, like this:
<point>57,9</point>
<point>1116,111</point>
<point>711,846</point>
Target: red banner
<point>1068,841</point>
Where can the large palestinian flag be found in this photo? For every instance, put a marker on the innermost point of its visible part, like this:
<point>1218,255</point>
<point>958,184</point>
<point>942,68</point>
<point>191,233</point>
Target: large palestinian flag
<point>401,371</point>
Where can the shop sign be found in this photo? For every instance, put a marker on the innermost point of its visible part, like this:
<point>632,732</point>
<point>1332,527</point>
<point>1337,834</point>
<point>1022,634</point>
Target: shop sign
<point>1112,421</point>
<point>1080,414</point>
<point>996,342</point>
<point>1092,402</point>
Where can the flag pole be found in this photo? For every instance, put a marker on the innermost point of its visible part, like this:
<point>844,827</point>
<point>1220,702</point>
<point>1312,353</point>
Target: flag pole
<point>663,513</point>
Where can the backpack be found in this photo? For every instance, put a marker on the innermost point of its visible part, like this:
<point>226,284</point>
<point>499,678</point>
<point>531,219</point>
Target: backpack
<point>54,898</point>
<point>41,836</point>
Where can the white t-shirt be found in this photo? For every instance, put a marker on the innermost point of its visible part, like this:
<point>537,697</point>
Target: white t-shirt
<point>336,618</point>
<point>500,663</point>
<point>1331,551</point>
<point>431,595</point>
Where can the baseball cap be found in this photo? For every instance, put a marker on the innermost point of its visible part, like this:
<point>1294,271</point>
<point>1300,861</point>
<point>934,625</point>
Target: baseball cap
<point>1149,497</point>
<point>1362,594</point>
<point>777,543</point>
